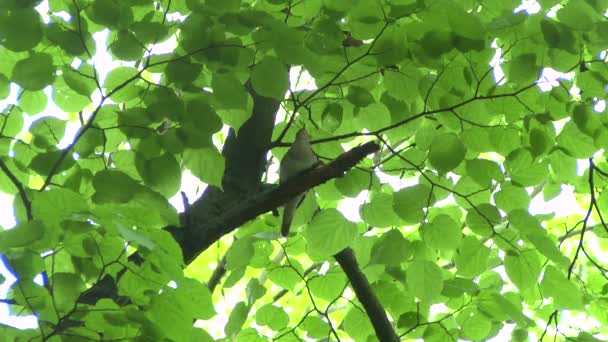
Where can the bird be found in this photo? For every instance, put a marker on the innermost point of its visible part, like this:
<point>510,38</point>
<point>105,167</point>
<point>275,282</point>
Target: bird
<point>300,157</point>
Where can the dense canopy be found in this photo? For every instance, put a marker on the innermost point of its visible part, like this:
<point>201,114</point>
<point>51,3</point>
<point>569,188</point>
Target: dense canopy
<point>462,196</point>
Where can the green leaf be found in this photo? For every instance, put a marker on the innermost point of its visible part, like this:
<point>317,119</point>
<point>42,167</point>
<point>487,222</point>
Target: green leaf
<point>44,163</point>
<point>523,269</point>
<point>35,72</point>
<point>229,91</point>
<point>237,318</point>
<point>162,174</point>
<point>473,324</point>
<point>57,204</point>
<point>409,202</point>
<point>548,247</point>
<point>120,84</point>
<point>353,183</point>
<point>578,15</point>
<point>33,102</point>
<point>564,292</point>
<point>483,171</point>
<point>272,316</point>
<point>23,235</point>
<point>127,47</point>
<point>472,257</point>
<point>523,170</point>
<point>442,233</point>
<point>511,197</point>
<point>205,163</point>
<point>113,186</point>
<point>378,212</point>
<point>328,233</point>
<point>21,29</point>
<point>466,24</point>
<point>81,80</point>
<point>270,78</point>
<point>4,87</point>
<point>446,152</point>
<point>359,96</point>
<point>522,69</point>
<point>67,287</point>
<point>357,325</point>
<point>391,249</point>
<point>482,219</point>
<point>329,286</point>
<point>425,280</point>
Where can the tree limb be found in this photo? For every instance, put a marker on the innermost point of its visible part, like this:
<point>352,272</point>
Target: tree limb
<point>373,308</point>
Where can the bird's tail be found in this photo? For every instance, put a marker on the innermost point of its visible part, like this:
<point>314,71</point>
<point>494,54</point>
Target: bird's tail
<point>288,213</point>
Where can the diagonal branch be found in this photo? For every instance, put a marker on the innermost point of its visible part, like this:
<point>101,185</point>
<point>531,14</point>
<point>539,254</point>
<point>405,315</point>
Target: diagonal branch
<point>212,230</point>
<point>373,308</point>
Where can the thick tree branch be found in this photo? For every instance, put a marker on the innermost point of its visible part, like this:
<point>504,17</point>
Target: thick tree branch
<point>224,223</point>
<point>373,308</point>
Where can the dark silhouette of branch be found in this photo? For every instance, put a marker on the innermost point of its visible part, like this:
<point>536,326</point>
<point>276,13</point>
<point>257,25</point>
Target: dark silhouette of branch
<point>11,176</point>
<point>373,308</point>
<point>211,231</point>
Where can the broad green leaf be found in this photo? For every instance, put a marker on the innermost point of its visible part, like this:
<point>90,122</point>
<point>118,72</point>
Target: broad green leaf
<point>113,186</point>
<point>391,249</point>
<point>548,247</point>
<point>482,219</point>
<point>578,15</point>
<point>523,169</point>
<point>466,24</point>
<point>22,235</point>
<point>574,142</point>
<point>270,78</point>
<point>471,258</point>
<point>197,298</point>
<point>564,292</point>
<point>229,91</point>
<point>127,47</point>
<point>425,280</point>
<point>353,183</point>
<point>329,286</point>
<point>47,162</point>
<point>511,197</point>
<point>272,316</point>
<point>359,96</point>
<point>66,290</point>
<point>328,233</point>
<point>162,174</point>
<point>409,202</point>
<point>205,163</point>
<point>21,29</point>
<point>33,102</point>
<point>35,72</point>
<point>443,233</point>
<point>458,286</point>
<point>483,171</point>
<point>169,312</point>
<point>378,212</point>
<point>4,86</point>
<point>523,269</point>
<point>285,276</point>
<point>357,325</point>
<point>474,325</point>
<point>522,69</point>
<point>446,152</point>
<point>57,204</point>
<point>120,84</point>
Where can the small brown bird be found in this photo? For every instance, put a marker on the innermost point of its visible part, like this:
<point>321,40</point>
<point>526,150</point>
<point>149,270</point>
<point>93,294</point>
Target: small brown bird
<point>299,157</point>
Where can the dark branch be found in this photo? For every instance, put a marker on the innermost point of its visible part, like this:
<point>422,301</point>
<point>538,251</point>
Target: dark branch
<point>373,308</point>
<point>211,231</point>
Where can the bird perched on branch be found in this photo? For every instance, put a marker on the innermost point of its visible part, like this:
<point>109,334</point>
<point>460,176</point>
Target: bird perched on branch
<point>299,158</point>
